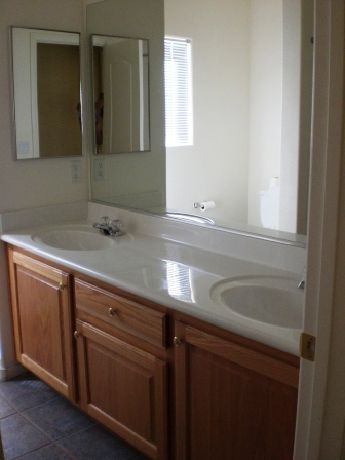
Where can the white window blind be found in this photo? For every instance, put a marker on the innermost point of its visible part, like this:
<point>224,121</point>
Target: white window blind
<point>178,92</point>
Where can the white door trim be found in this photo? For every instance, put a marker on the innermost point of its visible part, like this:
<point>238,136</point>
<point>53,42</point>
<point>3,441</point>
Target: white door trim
<point>327,126</point>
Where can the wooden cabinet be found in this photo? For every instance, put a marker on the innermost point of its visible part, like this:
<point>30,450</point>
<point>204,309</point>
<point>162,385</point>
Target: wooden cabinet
<point>123,387</point>
<point>232,402</point>
<point>122,384</point>
<point>42,321</point>
<point>225,397</point>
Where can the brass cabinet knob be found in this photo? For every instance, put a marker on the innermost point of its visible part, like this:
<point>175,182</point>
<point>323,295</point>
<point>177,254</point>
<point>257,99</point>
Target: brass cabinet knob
<point>111,311</point>
<point>62,286</point>
<point>76,334</point>
<point>177,341</point>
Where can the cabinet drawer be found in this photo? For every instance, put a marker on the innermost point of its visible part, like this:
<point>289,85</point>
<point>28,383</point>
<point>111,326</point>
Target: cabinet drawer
<point>121,313</point>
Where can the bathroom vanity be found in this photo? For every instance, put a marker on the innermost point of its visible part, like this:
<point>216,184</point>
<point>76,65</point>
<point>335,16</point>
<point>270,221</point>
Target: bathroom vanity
<point>152,368</point>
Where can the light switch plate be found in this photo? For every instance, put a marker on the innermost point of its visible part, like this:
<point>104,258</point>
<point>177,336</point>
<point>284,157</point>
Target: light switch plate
<point>23,148</point>
<point>99,169</point>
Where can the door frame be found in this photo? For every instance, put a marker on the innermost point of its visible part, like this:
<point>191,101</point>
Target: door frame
<point>324,213</point>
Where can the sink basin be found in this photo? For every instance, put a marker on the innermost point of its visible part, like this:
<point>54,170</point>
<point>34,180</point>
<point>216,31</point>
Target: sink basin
<point>74,238</point>
<point>273,300</point>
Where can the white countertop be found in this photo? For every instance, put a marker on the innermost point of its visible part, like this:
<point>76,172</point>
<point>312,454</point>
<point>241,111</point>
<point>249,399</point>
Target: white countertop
<point>169,273</point>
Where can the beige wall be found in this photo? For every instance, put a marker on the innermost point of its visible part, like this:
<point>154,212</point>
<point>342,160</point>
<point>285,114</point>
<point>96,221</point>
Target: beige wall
<point>136,179</point>
<point>33,182</point>
<point>215,167</point>
<point>290,146</point>
<point>307,50</point>
<point>266,73</point>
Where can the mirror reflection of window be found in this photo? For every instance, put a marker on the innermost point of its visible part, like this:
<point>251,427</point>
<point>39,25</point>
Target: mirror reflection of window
<point>46,81</point>
<point>179,282</point>
<point>178,92</point>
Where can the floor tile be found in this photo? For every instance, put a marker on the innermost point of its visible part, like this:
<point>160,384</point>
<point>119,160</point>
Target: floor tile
<point>95,443</point>
<point>26,391</point>
<point>58,418</point>
<point>5,409</point>
<point>50,452</point>
<point>20,437</point>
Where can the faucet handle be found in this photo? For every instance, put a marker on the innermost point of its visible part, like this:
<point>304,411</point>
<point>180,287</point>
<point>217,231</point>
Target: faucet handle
<point>116,223</point>
<point>105,220</point>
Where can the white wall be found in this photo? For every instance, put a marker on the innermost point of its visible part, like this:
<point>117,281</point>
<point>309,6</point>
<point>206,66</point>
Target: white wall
<point>291,114</point>
<point>215,167</point>
<point>246,88</point>
<point>266,59</point>
<point>30,183</point>
<point>128,177</point>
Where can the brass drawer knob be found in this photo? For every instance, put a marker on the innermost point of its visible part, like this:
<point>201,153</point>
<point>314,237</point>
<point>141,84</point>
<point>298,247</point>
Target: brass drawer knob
<point>177,341</point>
<point>112,312</point>
<point>76,334</point>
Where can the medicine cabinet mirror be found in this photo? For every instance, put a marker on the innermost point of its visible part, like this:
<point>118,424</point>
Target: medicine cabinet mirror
<point>242,72</point>
<point>46,90</point>
<point>120,75</point>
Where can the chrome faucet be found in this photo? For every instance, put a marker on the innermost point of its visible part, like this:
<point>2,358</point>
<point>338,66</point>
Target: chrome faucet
<point>301,284</point>
<point>109,227</point>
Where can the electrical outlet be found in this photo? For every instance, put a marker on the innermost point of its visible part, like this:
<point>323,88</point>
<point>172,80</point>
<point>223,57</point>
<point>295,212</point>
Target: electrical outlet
<point>76,171</point>
<point>99,169</point>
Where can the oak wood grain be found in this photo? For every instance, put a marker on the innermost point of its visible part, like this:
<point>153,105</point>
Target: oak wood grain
<point>42,319</point>
<point>38,267</point>
<point>247,358</point>
<point>124,388</point>
<point>129,316</point>
<point>228,406</point>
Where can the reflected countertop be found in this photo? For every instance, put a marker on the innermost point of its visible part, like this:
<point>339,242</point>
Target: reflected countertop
<point>172,274</point>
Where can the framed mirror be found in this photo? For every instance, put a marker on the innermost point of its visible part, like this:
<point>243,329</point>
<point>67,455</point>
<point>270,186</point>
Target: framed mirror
<point>46,93</point>
<point>120,76</point>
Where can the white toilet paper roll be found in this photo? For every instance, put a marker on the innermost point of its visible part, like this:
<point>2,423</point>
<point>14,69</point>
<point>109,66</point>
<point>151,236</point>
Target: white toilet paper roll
<point>204,205</point>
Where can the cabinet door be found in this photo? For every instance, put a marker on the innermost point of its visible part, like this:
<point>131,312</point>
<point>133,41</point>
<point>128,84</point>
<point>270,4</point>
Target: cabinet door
<point>42,321</point>
<point>124,388</point>
<point>232,402</point>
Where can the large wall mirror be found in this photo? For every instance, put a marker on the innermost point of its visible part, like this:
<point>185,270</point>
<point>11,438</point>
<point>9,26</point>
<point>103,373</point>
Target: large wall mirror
<point>46,89</point>
<point>238,93</point>
<point>120,76</point>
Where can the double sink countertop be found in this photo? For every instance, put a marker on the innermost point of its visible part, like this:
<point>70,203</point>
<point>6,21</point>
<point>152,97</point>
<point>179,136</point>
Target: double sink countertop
<point>175,275</point>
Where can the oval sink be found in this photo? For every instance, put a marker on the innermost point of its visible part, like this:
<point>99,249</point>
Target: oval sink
<point>273,300</point>
<point>74,238</point>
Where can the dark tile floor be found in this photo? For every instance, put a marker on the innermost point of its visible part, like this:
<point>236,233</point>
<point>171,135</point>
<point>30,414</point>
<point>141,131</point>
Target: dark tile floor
<point>38,424</point>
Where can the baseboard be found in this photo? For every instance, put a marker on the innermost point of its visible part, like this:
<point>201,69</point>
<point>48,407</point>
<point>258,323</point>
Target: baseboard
<point>11,372</point>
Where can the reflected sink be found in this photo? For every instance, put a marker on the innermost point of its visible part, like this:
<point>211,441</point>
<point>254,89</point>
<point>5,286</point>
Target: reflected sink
<point>74,238</point>
<point>273,300</point>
